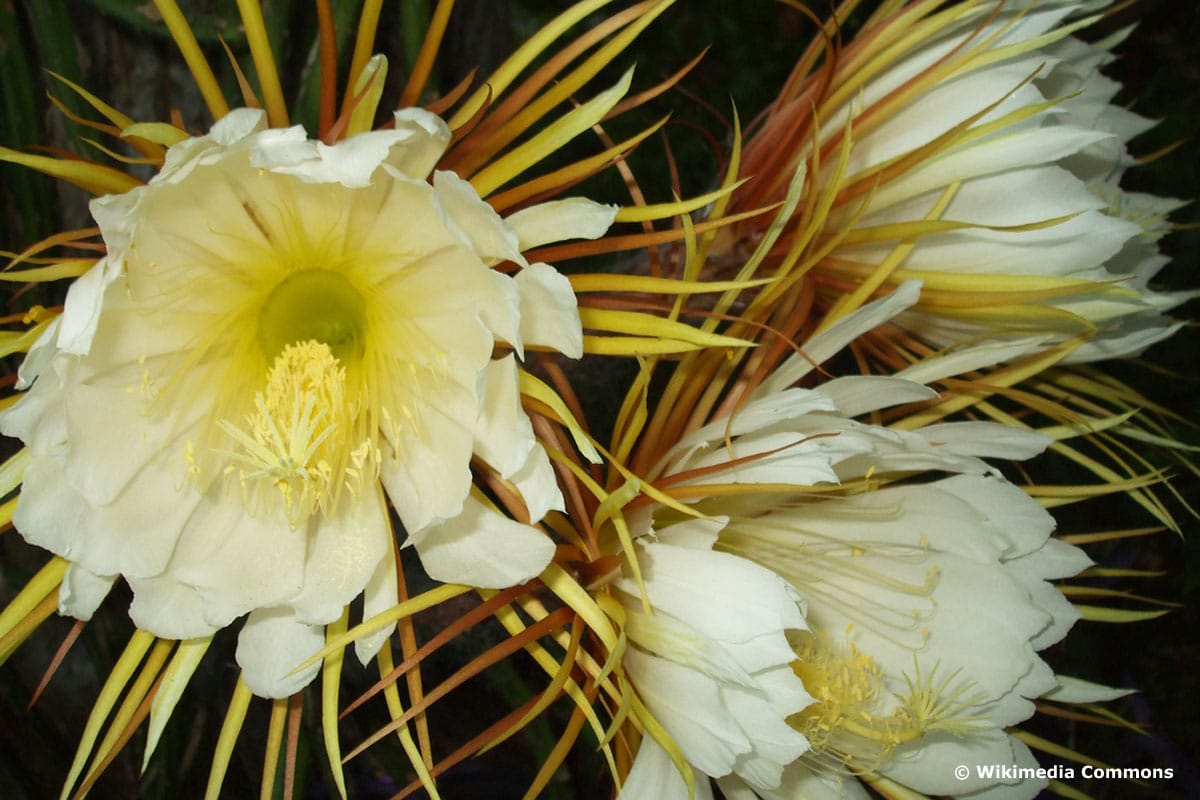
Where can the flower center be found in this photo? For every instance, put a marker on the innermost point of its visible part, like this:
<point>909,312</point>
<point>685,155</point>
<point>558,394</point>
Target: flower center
<point>298,441</point>
<point>855,723</point>
<point>317,305</point>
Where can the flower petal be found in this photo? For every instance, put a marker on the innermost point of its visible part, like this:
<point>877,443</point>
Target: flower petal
<point>549,310</point>
<point>82,592</point>
<point>270,647</point>
<point>480,547</point>
<point>560,220</point>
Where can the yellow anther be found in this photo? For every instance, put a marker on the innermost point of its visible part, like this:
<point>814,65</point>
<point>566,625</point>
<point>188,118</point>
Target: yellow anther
<point>298,438</point>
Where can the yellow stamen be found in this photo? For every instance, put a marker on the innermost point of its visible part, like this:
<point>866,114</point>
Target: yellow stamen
<point>299,436</point>
<point>854,723</point>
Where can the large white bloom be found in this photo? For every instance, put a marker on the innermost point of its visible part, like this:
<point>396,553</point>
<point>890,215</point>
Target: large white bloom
<point>711,661</point>
<point>983,157</point>
<point>281,333</point>
<point>926,599</point>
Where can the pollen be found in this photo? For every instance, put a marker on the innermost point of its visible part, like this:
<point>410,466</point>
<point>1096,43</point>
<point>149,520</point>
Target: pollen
<point>855,723</point>
<point>298,446</point>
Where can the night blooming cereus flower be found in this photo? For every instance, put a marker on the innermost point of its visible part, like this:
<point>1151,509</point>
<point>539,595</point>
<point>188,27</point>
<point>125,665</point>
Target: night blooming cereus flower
<point>925,599</point>
<point>973,146</point>
<point>281,330</point>
<point>294,333</point>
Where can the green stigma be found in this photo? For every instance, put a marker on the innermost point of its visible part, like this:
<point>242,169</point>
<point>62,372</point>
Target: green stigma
<point>314,305</point>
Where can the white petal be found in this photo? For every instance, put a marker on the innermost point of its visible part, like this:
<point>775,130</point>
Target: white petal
<point>1010,151</point>
<point>756,415</point>
<point>799,781</point>
<point>775,743</point>
<point>82,592</point>
<point>985,439</point>
<point>503,434</point>
<point>237,125</point>
<point>928,765</point>
<point>478,223</point>
<point>169,609</point>
<point>426,139</point>
<point>1011,515</point>
<point>859,394</point>
<point>675,640</point>
<point>549,310</point>
<point>270,647</point>
<point>823,346</point>
<point>480,547</point>
<point>353,162</point>
<point>967,359</point>
<point>655,777</point>
<point>344,551</point>
<point>538,486</point>
<point>706,732</point>
<point>560,220</point>
<point>1076,690</point>
<point>752,601</point>
<point>81,313</point>
<point>382,592</point>
<point>40,354</point>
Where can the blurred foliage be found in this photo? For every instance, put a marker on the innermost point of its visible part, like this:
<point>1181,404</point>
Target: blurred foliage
<point>117,49</point>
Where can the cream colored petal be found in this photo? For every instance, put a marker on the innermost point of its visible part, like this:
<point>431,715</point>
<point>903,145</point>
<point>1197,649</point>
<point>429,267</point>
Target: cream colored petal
<point>427,137</point>
<point>81,312</point>
<point>37,417</point>
<point>169,609</point>
<point>504,318</point>
<point>40,355</point>
<point>1076,690</point>
<point>475,221</point>
<point>381,593</point>
<point>928,766</point>
<point>82,592</point>
<point>237,561</point>
<point>135,536</point>
<point>560,220</point>
<point>343,553</point>
<point>112,446</point>
<point>824,345</point>
<point>685,703</point>
<point>549,310</point>
<point>479,547</point>
<point>654,776</point>
<point>753,601</point>
<point>427,474</point>
<point>503,434</point>
<point>538,484</point>
<point>270,647</point>
<point>858,394</point>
